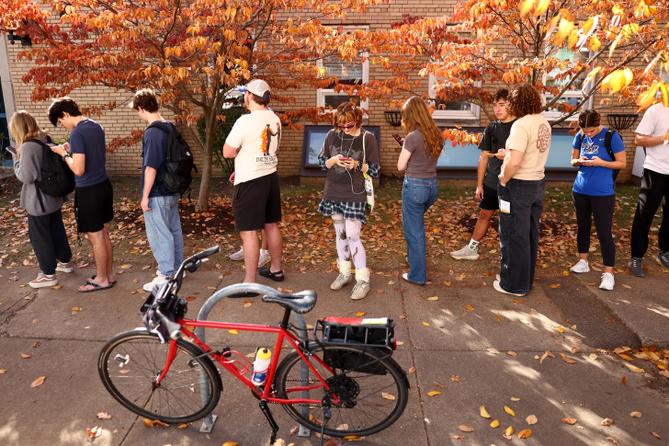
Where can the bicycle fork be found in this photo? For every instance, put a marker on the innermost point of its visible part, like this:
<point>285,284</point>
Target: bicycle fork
<point>171,354</point>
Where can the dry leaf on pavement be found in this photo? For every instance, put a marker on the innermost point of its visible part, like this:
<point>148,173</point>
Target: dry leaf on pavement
<point>93,432</point>
<point>465,428</point>
<point>38,382</point>
<point>484,412</point>
<point>26,356</point>
<point>612,440</point>
<point>509,411</point>
<point>531,419</point>
<point>360,313</point>
<point>656,435</point>
<point>104,416</point>
<point>508,433</point>
<point>432,393</point>
<point>495,424</point>
<point>547,354</point>
<point>568,359</point>
<point>433,298</point>
<point>607,422</point>
<point>525,433</point>
<point>635,414</point>
<point>570,421</point>
<point>388,396</point>
<point>234,443</point>
<point>154,423</point>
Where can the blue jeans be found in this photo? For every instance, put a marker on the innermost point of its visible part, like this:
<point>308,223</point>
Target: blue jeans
<point>519,233</point>
<point>418,194</point>
<point>163,229</point>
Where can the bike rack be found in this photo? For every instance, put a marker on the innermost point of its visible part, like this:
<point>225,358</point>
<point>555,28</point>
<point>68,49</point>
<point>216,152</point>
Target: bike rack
<point>209,421</point>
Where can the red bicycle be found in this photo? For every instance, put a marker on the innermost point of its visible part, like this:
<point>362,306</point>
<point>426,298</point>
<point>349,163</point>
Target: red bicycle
<point>343,382</point>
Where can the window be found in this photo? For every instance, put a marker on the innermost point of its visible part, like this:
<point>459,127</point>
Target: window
<point>348,73</point>
<point>460,110</point>
<point>556,79</point>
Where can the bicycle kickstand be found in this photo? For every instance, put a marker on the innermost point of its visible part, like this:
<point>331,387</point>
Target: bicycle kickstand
<point>270,419</point>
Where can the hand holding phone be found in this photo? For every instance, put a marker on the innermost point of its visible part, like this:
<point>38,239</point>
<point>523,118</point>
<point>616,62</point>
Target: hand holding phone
<point>399,139</point>
<point>11,150</point>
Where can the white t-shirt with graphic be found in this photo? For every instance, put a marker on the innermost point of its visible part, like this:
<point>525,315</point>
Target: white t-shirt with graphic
<point>655,122</point>
<point>531,135</point>
<point>257,134</point>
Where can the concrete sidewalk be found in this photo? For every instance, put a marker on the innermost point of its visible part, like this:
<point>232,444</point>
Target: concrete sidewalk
<point>473,345</point>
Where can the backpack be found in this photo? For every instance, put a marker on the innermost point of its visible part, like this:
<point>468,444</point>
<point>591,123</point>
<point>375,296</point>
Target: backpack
<point>57,179</point>
<point>609,149</point>
<point>176,172</point>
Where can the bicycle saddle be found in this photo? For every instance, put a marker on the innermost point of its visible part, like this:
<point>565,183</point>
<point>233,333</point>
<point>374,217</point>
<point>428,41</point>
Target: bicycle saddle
<point>301,302</point>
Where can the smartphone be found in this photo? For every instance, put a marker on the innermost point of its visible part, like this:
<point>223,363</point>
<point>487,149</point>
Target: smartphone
<point>346,158</point>
<point>399,139</point>
<point>11,150</point>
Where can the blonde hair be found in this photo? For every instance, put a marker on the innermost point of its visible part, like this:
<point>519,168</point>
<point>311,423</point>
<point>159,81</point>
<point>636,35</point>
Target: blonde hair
<point>415,116</point>
<point>347,112</point>
<point>23,127</point>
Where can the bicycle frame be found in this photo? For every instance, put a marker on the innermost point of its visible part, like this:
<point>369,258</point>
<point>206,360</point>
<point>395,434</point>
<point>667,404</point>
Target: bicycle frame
<point>187,325</point>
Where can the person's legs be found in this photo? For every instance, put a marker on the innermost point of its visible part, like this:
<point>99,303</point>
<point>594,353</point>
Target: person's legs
<point>415,197</point>
<point>102,258</point>
<point>343,253</point>
<point>109,253</point>
<point>39,232</point>
<point>174,223</point>
<point>359,259</point>
<point>59,236</point>
<point>250,244</point>
<point>663,235</point>
<point>159,234</point>
<point>537,190</point>
<point>482,224</point>
<point>583,210</point>
<point>649,200</point>
<point>515,228</point>
<point>275,245</point>
<point>603,208</point>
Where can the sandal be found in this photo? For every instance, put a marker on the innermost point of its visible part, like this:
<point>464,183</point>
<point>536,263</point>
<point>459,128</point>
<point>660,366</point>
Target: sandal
<point>92,279</point>
<point>95,287</point>
<point>276,276</point>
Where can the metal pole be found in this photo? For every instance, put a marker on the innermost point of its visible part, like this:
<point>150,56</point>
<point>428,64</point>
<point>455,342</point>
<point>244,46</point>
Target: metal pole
<point>209,421</point>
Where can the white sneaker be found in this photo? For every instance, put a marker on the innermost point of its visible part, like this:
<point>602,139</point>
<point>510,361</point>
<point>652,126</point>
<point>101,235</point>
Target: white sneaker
<point>64,267</point>
<point>465,253</point>
<point>340,282</point>
<point>236,256</point>
<point>360,290</point>
<point>608,282</point>
<point>43,281</point>
<point>262,259</point>
<point>496,285</point>
<point>582,266</point>
<point>157,281</point>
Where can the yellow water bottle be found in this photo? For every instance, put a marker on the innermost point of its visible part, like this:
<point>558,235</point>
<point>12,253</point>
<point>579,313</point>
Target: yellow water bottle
<point>261,366</point>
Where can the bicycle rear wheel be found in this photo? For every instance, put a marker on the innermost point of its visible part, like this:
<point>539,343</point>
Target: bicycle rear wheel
<point>372,390</point>
<point>130,364</point>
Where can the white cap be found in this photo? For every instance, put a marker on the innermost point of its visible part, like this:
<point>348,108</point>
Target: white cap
<point>258,87</point>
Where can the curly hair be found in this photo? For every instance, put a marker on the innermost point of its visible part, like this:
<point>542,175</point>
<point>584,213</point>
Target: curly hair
<point>415,116</point>
<point>525,100</point>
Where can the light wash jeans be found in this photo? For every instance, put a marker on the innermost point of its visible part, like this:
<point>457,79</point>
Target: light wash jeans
<point>163,229</point>
<point>418,194</point>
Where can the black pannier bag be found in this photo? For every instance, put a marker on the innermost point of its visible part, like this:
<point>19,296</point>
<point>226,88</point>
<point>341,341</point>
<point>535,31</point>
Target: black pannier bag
<point>377,335</point>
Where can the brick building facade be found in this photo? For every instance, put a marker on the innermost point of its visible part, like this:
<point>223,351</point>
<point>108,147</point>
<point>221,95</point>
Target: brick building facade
<point>119,122</point>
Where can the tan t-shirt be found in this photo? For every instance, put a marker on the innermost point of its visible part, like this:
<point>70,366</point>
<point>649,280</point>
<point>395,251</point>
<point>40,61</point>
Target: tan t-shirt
<point>531,135</point>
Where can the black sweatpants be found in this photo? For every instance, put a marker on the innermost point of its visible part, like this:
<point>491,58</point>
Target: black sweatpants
<point>654,188</point>
<point>49,240</point>
<point>599,208</point>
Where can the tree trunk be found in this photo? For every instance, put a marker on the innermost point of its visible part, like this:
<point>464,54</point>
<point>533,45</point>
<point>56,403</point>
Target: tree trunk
<point>203,196</point>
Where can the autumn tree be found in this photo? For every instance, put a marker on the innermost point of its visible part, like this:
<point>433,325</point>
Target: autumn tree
<point>569,49</point>
<point>191,52</point>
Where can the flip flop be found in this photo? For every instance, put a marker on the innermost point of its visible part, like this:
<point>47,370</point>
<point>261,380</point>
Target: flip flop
<point>92,279</point>
<point>276,276</point>
<point>96,287</point>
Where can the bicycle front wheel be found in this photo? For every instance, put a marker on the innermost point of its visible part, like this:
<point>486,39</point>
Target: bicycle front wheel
<point>368,390</point>
<point>130,364</point>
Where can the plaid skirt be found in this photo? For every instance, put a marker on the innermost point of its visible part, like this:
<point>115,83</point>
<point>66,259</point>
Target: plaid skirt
<point>349,209</point>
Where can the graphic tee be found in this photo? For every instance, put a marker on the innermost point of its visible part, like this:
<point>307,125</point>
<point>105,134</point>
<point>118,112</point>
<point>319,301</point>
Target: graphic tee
<point>531,135</point>
<point>596,180</point>
<point>494,138</point>
<point>257,134</point>
<point>655,122</point>
<point>88,138</point>
<point>341,184</point>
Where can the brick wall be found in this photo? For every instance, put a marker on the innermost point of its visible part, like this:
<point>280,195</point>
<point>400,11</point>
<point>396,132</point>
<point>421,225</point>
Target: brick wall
<point>121,121</point>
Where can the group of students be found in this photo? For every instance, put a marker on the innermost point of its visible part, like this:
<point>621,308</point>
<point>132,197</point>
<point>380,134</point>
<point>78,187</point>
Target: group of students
<point>510,178</point>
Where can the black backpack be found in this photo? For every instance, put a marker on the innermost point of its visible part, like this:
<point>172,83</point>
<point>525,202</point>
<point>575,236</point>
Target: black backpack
<point>57,179</point>
<point>176,171</point>
<point>609,149</point>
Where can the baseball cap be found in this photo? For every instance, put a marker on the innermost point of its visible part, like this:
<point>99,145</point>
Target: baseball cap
<point>258,87</point>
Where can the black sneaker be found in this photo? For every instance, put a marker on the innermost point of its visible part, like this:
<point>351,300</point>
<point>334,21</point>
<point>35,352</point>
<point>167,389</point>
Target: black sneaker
<point>663,257</point>
<point>636,266</point>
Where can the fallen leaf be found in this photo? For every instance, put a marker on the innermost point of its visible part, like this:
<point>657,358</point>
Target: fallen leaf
<point>247,305</point>
<point>515,398</point>
<point>93,432</point>
<point>656,435</point>
<point>26,356</point>
<point>233,331</point>
<point>76,310</point>
<point>629,287</point>
<point>554,285</point>
<point>634,368</point>
<point>231,443</point>
<point>432,393</point>
<point>183,426</point>
<point>469,308</point>
<point>568,359</point>
<point>512,353</point>
<point>412,370</point>
<point>57,287</point>
<point>570,421</point>
<point>399,343</point>
<point>360,313</point>
<point>433,298</point>
<point>456,378</point>
<point>3,371</point>
<point>104,416</point>
<point>560,329</point>
<point>465,428</point>
<point>126,266</point>
<point>612,440</point>
<point>524,434</point>
<point>38,382</point>
<point>531,419</point>
<point>635,414</point>
<point>425,324</point>
<point>546,354</point>
<point>607,422</point>
<point>388,396</point>
<point>495,424</point>
<point>592,357</point>
<point>509,411</point>
<point>619,350</point>
<point>154,423</point>
<point>508,433</point>
<point>484,412</point>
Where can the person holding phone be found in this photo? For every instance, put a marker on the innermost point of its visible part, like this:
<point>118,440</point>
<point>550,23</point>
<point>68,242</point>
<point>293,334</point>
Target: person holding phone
<point>594,190</point>
<point>489,166</point>
<point>348,151</point>
<point>418,159</point>
<point>45,221</point>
